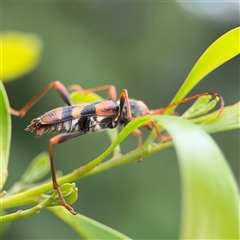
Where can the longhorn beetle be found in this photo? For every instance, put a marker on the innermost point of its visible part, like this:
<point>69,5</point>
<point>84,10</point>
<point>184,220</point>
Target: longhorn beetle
<point>76,120</point>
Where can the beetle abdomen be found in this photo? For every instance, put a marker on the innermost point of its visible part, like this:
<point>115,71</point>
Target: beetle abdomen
<point>83,124</point>
<point>65,126</point>
<point>83,118</point>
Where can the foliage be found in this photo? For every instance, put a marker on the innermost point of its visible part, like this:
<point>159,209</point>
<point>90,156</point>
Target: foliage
<point>209,197</point>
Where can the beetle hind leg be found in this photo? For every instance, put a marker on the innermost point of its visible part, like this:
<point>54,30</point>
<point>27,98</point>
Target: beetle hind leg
<point>61,89</point>
<point>54,141</point>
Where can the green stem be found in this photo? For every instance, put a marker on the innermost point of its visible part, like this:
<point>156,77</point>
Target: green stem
<point>129,157</point>
<point>21,214</point>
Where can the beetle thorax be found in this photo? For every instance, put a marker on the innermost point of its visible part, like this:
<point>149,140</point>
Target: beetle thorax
<point>138,108</point>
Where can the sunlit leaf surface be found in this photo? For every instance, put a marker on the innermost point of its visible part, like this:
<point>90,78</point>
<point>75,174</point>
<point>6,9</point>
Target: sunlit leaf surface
<point>222,50</point>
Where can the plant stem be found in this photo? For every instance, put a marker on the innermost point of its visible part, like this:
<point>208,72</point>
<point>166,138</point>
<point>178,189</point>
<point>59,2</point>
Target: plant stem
<point>21,214</point>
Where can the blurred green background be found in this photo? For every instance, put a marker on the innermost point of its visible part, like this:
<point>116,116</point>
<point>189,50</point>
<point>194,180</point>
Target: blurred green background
<point>147,48</point>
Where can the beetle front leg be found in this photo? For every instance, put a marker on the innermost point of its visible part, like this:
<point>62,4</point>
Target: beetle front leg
<point>137,133</point>
<point>149,126</point>
<point>54,141</point>
<point>124,99</point>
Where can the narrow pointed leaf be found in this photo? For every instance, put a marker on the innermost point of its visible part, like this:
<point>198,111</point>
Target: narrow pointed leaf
<point>37,169</point>
<point>229,120</point>
<point>5,135</point>
<point>86,227</point>
<point>222,50</point>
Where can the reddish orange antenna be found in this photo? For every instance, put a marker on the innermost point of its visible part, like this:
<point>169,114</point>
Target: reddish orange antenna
<point>162,110</point>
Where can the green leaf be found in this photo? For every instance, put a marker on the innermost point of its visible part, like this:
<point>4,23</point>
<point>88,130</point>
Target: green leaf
<point>209,191</point>
<point>222,50</point>
<point>229,120</point>
<point>86,227</point>
<point>5,135</point>
<point>37,169</point>
<point>79,98</point>
<point>200,107</point>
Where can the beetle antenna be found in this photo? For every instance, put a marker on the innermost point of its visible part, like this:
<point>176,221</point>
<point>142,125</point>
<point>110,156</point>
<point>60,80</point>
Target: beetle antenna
<point>163,110</point>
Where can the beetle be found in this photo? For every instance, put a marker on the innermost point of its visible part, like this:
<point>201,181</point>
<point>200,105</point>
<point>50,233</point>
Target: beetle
<point>75,120</point>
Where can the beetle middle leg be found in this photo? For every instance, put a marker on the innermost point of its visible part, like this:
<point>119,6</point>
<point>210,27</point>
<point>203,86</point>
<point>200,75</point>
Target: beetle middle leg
<point>112,93</point>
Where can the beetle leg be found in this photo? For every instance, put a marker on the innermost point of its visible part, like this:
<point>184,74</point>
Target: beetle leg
<point>112,93</point>
<point>124,98</point>
<point>53,141</point>
<point>159,135</point>
<point>138,134</point>
<point>149,126</point>
<point>61,89</point>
